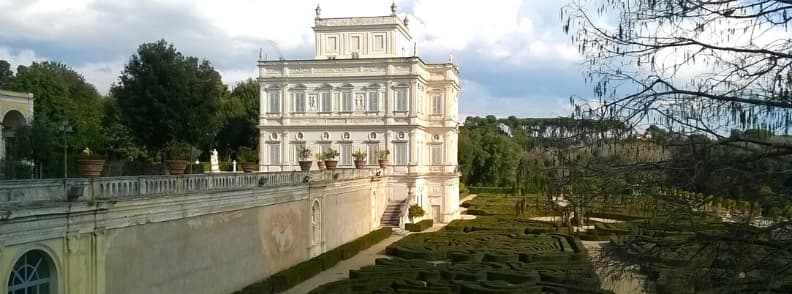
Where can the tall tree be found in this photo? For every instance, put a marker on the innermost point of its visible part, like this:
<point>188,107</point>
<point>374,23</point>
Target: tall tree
<point>240,117</point>
<point>5,74</point>
<point>61,96</point>
<point>164,96</point>
<point>705,71</point>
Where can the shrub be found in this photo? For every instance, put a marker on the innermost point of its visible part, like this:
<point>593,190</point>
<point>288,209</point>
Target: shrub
<point>305,270</point>
<point>383,154</point>
<point>359,155</point>
<point>419,226</point>
<point>304,153</point>
<point>247,155</point>
<point>178,151</point>
<point>330,154</point>
<point>415,211</point>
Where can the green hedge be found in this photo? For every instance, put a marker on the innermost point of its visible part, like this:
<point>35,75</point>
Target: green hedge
<point>294,275</point>
<point>420,226</point>
<point>491,190</point>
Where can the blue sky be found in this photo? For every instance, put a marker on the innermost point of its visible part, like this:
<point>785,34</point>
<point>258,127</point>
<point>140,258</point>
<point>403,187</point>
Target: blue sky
<point>514,58</point>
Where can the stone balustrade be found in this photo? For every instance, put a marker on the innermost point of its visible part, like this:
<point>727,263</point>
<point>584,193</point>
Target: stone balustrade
<point>17,191</point>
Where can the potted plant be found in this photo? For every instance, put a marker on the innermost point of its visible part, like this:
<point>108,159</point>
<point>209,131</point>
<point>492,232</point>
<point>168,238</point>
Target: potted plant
<point>360,159</point>
<point>414,211</point>
<point>249,159</point>
<point>90,164</point>
<point>304,157</point>
<point>382,157</point>
<point>320,160</point>
<point>178,154</point>
<point>330,159</point>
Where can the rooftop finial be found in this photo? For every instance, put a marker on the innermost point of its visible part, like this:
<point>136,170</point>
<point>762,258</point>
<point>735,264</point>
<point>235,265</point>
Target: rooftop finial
<point>450,57</point>
<point>261,53</point>
<point>406,21</point>
<point>318,11</point>
<point>393,8</point>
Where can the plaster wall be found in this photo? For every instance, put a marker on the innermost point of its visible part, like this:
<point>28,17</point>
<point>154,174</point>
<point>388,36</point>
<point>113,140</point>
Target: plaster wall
<point>216,243</point>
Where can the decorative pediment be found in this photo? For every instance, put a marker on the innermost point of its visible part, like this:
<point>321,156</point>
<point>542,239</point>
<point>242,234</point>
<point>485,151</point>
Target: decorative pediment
<point>347,86</point>
<point>373,86</point>
<point>300,87</point>
<point>325,86</point>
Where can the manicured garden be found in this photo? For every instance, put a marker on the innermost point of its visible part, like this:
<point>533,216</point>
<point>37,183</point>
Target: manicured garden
<point>498,252</point>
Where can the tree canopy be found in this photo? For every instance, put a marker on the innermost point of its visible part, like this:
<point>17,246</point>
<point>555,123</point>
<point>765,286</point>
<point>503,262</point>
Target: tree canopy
<point>164,96</point>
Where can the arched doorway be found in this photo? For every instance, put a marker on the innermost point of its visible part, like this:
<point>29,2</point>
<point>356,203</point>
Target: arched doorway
<point>12,121</point>
<point>34,272</point>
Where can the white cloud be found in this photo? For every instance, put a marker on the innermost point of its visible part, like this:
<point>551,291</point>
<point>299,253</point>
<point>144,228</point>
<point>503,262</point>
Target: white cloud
<point>96,37</point>
<point>18,57</point>
<point>477,99</point>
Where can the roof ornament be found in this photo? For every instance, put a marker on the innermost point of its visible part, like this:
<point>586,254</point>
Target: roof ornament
<point>261,53</point>
<point>318,11</point>
<point>393,8</point>
<point>406,21</point>
<point>450,57</point>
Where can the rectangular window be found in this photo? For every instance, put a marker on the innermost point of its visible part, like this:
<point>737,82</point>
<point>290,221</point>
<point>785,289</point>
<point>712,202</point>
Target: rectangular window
<point>379,43</point>
<point>346,102</point>
<point>332,44</point>
<point>437,104</point>
<point>401,100</point>
<point>371,154</point>
<point>354,43</point>
<point>327,102</point>
<point>299,102</point>
<point>274,153</point>
<point>274,102</point>
<point>437,154</point>
<point>346,154</point>
<point>373,101</point>
<point>401,154</point>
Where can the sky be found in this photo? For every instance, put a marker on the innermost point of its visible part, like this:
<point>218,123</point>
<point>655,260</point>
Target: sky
<point>513,56</point>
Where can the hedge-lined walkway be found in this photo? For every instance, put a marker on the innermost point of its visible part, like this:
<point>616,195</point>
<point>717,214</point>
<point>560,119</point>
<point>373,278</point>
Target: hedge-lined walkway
<point>366,257</point>
<point>341,270</point>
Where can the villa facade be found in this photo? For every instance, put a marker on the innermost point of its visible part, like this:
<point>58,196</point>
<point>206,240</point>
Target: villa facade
<point>366,90</point>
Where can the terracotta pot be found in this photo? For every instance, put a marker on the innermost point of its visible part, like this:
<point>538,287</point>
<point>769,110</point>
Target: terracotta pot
<point>90,168</point>
<point>320,164</point>
<point>250,167</point>
<point>305,165</point>
<point>331,164</point>
<point>383,163</point>
<point>360,164</point>
<point>176,167</point>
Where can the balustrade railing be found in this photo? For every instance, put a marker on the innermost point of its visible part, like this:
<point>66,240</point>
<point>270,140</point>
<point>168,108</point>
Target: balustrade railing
<point>144,186</point>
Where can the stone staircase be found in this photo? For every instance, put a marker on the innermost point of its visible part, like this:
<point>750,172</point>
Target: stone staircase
<point>390,218</point>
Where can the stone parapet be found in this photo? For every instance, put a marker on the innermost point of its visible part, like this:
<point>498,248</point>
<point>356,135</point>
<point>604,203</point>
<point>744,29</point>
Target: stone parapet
<point>19,191</point>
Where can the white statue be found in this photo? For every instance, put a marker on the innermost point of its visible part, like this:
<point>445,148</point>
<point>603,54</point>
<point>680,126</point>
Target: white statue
<point>214,161</point>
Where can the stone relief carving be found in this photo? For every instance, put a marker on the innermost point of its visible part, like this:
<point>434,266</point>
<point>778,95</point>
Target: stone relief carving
<point>360,102</point>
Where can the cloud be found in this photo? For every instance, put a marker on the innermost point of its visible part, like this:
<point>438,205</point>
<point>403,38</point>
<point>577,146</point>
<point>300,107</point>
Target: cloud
<point>508,50</point>
<point>17,57</point>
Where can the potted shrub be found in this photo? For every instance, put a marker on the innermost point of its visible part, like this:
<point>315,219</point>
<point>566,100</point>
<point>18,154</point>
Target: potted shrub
<point>360,159</point>
<point>249,159</point>
<point>414,211</point>
<point>178,154</point>
<point>320,160</point>
<point>90,164</point>
<point>330,159</point>
<point>304,157</point>
<point>382,157</point>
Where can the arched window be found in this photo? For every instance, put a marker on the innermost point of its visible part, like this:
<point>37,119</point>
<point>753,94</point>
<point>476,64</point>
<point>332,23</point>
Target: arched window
<point>32,273</point>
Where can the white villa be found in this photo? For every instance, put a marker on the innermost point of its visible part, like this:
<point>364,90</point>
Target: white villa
<point>367,90</point>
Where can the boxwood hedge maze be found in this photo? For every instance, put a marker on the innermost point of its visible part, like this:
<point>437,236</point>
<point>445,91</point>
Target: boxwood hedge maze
<point>495,253</point>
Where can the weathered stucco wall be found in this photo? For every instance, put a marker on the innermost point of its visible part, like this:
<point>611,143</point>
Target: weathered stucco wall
<point>212,243</point>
